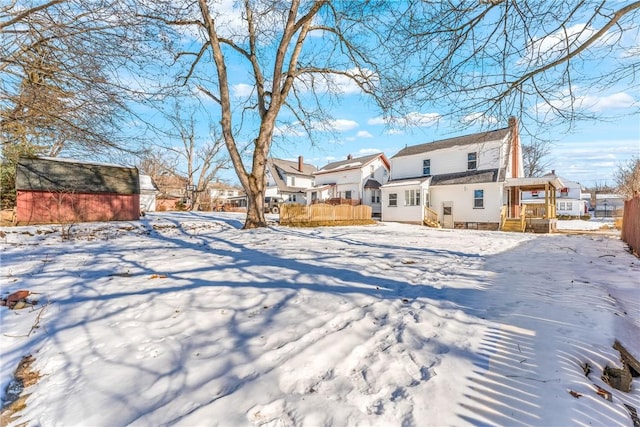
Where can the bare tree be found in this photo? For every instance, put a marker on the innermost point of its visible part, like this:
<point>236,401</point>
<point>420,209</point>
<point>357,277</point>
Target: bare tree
<point>58,76</point>
<point>498,58</point>
<point>534,157</point>
<point>198,158</point>
<point>627,178</point>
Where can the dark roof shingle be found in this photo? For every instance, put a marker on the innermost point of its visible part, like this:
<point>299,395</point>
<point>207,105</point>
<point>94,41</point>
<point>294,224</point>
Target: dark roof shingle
<point>452,142</point>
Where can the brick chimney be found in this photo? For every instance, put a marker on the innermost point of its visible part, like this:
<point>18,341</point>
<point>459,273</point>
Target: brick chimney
<point>515,146</point>
<point>349,157</point>
<point>300,163</point>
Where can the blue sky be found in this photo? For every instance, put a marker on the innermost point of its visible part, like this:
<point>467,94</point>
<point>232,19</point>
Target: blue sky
<point>589,152</point>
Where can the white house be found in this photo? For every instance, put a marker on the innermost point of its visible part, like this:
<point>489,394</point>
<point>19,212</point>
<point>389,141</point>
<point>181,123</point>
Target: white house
<point>289,179</point>
<point>459,182</point>
<point>569,200</point>
<point>220,194</point>
<point>357,180</point>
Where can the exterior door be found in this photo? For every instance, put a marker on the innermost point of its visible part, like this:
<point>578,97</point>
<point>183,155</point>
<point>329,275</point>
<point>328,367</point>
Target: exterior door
<point>447,214</point>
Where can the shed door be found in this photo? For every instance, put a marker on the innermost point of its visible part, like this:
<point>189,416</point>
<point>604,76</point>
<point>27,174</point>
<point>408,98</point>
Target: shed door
<point>447,214</point>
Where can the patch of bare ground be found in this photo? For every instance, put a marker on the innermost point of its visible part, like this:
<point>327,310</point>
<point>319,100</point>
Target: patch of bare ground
<point>16,400</point>
<point>7,217</point>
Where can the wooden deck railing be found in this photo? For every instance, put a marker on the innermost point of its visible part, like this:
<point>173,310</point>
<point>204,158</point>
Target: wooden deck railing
<point>430,216</point>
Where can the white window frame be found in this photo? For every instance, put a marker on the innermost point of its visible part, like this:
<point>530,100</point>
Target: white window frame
<point>472,161</point>
<point>478,202</point>
<point>393,200</point>
<point>426,167</point>
<point>412,197</point>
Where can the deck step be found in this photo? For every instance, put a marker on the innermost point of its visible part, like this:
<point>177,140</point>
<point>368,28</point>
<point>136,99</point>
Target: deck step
<point>513,225</point>
<point>431,223</point>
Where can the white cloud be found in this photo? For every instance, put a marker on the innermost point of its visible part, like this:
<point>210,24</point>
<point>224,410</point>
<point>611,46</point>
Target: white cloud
<point>616,100</point>
<point>619,100</point>
<point>479,118</point>
<point>242,90</point>
<point>336,83</point>
<point>339,125</point>
<point>364,134</point>
<point>365,151</point>
<point>413,119</point>
<point>552,46</point>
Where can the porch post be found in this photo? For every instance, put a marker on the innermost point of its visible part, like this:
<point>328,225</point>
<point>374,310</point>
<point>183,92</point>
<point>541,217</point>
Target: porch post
<point>547,197</point>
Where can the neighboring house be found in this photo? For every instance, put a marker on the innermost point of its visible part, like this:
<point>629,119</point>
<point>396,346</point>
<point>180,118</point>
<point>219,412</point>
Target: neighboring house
<point>148,193</point>
<point>457,182</point>
<point>219,194</point>
<point>354,180</point>
<point>55,190</point>
<point>608,205</point>
<point>289,179</point>
<point>172,192</point>
<point>569,201</point>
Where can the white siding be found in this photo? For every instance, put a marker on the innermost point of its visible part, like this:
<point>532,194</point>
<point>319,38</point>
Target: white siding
<point>462,197</point>
<point>490,155</point>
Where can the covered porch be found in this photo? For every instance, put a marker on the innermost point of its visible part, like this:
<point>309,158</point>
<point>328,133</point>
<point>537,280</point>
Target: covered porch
<point>538,217</point>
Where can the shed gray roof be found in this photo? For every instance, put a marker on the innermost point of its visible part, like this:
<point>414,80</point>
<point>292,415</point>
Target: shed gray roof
<point>48,174</point>
<point>452,142</point>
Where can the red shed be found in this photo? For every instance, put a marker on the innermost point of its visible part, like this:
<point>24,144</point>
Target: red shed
<point>52,190</point>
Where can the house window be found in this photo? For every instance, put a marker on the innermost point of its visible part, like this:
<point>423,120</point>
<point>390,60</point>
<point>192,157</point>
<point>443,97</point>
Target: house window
<point>534,194</point>
<point>347,195</point>
<point>375,196</point>
<point>293,181</point>
<point>393,199</point>
<point>560,206</point>
<point>564,192</point>
<point>472,161</point>
<point>412,197</point>
<point>569,206</point>
<point>293,198</point>
<point>371,171</point>
<point>426,167</point>
<point>478,199</point>
<point>314,196</point>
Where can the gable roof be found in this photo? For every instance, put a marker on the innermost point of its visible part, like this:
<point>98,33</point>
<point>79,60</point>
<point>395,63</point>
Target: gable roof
<point>353,163</point>
<point>291,167</point>
<point>281,168</point>
<point>475,138</point>
<point>67,175</point>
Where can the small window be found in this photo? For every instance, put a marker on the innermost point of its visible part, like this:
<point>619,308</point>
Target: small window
<point>375,196</point>
<point>347,195</point>
<point>569,206</point>
<point>314,195</point>
<point>293,181</point>
<point>412,197</point>
<point>426,167</point>
<point>393,199</point>
<point>372,171</point>
<point>478,199</point>
<point>472,161</point>
<point>561,206</point>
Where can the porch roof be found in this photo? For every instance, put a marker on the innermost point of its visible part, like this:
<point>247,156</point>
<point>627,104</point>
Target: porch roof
<point>534,183</point>
<point>422,181</point>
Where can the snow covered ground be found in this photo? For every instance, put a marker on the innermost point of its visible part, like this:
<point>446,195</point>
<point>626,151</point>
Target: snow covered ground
<point>184,319</point>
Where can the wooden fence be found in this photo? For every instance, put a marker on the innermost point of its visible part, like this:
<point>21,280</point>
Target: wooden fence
<point>631,224</point>
<point>298,214</point>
